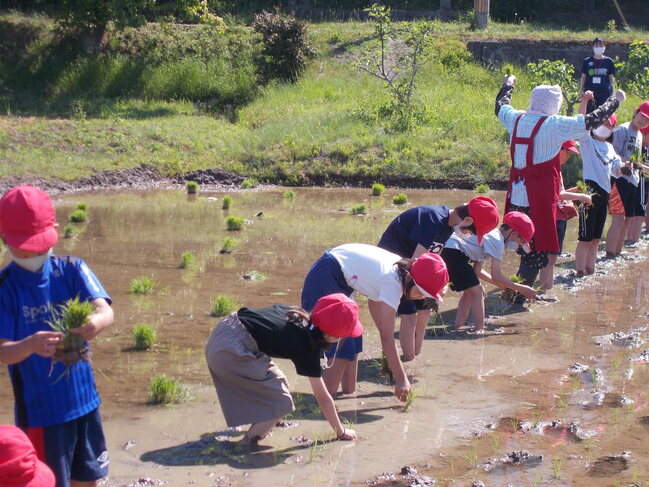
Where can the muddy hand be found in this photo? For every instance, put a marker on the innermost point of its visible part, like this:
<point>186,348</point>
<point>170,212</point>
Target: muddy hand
<point>402,389</point>
<point>44,343</point>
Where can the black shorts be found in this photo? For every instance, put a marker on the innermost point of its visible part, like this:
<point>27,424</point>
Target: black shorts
<point>627,193</point>
<point>640,198</point>
<point>592,220</point>
<point>460,271</point>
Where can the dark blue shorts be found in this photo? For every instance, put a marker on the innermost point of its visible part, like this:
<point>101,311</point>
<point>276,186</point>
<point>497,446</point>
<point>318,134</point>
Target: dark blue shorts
<point>326,277</point>
<point>562,225</point>
<point>73,450</point>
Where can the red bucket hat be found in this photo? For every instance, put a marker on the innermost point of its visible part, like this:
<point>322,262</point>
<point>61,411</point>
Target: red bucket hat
<point>570,146</point>
<point>484,212</point>
<point>27,219</point>
<point>19,465</point>
<point>521,223</point>
<point>430,275</point>
<point>337,315</point>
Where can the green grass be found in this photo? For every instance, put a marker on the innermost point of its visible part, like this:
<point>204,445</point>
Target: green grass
<point>400,199</point>
<point>82,206</point>
<point>78,216</point>
<point>229,245</point>
<point>69,231</point>
<point>482,189</point>
<point>187,260</point>
<point>166,390</point>
<point>234,223</point>
<point>227,201</point>
<point>249,183</point>
<point>144,336</point>
<point>289,194</point>
<point>143,286</point>
<point>192,187</point>
<point>359,209</point>
<point>377,189</point>
<point>223,306</point>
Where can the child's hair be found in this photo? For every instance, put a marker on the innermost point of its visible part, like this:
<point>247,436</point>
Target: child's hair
<point>463,211</point>
<point>504,227</point>
<point>598,39</point>
<point>403,269</point>
<point>297,316</point>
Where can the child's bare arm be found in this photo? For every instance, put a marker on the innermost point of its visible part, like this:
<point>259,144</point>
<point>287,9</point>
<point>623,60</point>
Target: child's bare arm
<point>504,282</point>
<point>328,408</point>
<point>42,343</point>
<point>101,319</point>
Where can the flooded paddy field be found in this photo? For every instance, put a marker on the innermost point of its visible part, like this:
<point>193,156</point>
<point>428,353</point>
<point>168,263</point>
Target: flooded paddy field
<point>554,393</point>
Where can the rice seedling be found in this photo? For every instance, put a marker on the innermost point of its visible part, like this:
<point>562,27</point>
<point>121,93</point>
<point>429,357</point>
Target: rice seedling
<point>69,231</point>
<point>314,451</point>
<point>410,400</point>
<point>482,189</point>
<point>359,209</point>
<point>192,187</point>
<point>234,223</point>
<point>78,216</point>
<point>509,295</point>
<point>254,276</point>
<point>187,260</point>
<point>227,201</point>
<point>377,189</point>
<point>384,367</point>
<point>229,245</point>
<point>166,390</point>
<point>143,285</point>
<point>400,199</point>
<point>515,422</point>
<point>249,183</point>
<point>494,439</point>
<point>289,194</point>
<point>82,206</point>
<point>556,468</point>
<point>536,479</point>
<point>71,315</point>
<point>472,454</point>
<point>223,305</point>
<point>144,336</point>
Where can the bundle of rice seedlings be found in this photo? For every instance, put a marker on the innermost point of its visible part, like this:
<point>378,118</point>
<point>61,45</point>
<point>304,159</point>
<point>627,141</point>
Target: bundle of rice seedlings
<point>70,315</point>
<point>508,295</point>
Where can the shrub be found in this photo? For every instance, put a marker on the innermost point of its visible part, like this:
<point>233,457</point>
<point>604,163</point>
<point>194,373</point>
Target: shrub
<point>249,183</point>
<point>227,201</point>
<point>482,188</point>
<point>223,306</point>
<point>166,390</point>
<point>144,336</point>
<point>286,46</point>
<point>187,259</point>
<point>289,194</point>
<point>82,206</point>
<point>400,199</point>
<point>143,285</point>
<point>192,187</point>
<point>234,223</point>
<point>229,244</point>
<point>69,231</point>
<point>359,209</point>
<point>78,216</point>
<point>377,189</point>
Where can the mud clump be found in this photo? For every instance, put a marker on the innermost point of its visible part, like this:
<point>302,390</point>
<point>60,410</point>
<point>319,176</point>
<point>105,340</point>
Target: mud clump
<point>621,339</point>
<point>610,465</point>
<point>514,458</point>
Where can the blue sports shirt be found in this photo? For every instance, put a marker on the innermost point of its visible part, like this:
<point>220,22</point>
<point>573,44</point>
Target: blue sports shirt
<point>43,397</point>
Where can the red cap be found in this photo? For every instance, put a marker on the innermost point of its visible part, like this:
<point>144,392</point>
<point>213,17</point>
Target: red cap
<point>521,223</point>
<point>430,275</point>
<point>337,315</point>
<point>27,219</point>
<point>570,145</point>
<point>484,212</point>
<point>613,120</point>
<point>19,465</point>
<point>644,108</point>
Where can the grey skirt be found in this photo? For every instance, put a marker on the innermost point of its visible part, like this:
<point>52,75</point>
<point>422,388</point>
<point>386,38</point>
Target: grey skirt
<point>250,387</point>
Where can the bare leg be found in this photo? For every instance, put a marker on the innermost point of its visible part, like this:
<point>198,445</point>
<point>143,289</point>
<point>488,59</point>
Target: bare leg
<point>423,317</point>
<point>258,431</point>
<point>614,232</point>
<point>349,376</point>
<point>407,336</point>
<point>547,273</point>
<point>463,306</point>
<point>620,239</point>
<point>477,306</point>
<point>592,256</point>
<point>635,228</point>
<point>79,483</point>
<point>334,374</point>
<point>581,255</point>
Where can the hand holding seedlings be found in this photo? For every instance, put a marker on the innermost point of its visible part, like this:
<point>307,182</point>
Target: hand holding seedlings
<point>96,322</point>
<point>44,343</point>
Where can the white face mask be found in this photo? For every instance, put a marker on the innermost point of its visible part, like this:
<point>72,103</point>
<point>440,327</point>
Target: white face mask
<point>603,132</point>
<point>599,50</point>
<point>32,264</point>
<point>460,234</point>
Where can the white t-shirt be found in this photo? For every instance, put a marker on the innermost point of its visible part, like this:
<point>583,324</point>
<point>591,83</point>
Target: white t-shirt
<point>626,142</point>
<point>371,271</point>
<point>493,245</point>
<point>599,160</point>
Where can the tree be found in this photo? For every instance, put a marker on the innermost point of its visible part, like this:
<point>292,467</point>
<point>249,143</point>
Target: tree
<point>633,75</point>
<point>557,73</point>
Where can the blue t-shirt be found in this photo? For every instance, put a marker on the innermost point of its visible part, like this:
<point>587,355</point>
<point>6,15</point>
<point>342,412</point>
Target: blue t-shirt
<point>26,303</point>
<point>597,81</point>
<point>423,225</point>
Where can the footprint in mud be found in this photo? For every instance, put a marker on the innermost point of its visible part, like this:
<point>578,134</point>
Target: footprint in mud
<point>610,465</point>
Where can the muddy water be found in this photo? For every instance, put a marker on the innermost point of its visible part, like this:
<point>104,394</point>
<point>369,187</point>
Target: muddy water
<point>480,399</point>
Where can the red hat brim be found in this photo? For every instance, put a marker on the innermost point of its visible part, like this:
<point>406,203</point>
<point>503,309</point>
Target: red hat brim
<point>41,242</point>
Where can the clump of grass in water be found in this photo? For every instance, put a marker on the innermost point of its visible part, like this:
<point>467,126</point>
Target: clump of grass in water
<point>410,400</point>
<point>234,223</point>
<point>377,189</point>
<point>70,315</point>
<point>144,336</point>
<point>400,199</point>
<point>556,468</point>
<point>482,189</point>
<point>359,209</point>
<point>289,194</point>
<point>249,183</point>
<point>69,231</point>
<point>82,206</point>
<point>254,276</point>
<point>187,260</point>
<point>229,245</point>
<point>78,216</point>
<point>166,390</point>
<point>192,187</point>
<point>143,285</point>
<point>384,367</point>
<point>227,201</point>
<point>223,306</point>
<point>508,295</point>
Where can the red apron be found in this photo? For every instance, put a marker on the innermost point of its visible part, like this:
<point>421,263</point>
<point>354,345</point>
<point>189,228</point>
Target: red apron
<point>542,185</point>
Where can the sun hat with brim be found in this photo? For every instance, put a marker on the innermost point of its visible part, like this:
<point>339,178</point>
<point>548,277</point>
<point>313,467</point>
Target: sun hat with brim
<point>570,145</point>
<point>28,219</point>
<point>644,108</point>
<point>337,315</point>
<point>484,212</point>
<point>430,275</point>
<point>521,223</point>
<point>19,464</point>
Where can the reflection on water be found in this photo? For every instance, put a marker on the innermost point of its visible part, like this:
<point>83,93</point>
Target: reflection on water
<point>518,370</point>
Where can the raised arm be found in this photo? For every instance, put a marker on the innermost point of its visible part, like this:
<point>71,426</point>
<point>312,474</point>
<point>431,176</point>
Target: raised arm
<point>504,96</point>
<point>598,116</point>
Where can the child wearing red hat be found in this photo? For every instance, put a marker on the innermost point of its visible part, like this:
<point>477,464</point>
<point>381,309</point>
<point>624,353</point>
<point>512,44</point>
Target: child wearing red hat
<point>19,464</point>
<point>465,259</point>
<point>427,228</point>
<point>61,417</point>
<point>250,387</point>
<point>384,278</point>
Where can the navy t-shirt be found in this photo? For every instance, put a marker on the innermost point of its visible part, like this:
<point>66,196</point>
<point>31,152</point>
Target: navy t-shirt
<point>423,225</point>
<point>597,73</point>
<point>277,338</point>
